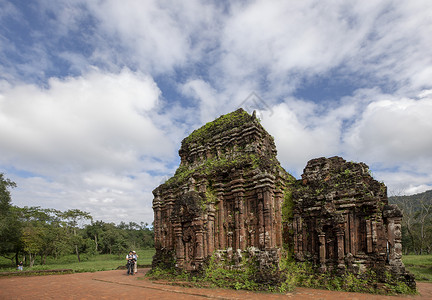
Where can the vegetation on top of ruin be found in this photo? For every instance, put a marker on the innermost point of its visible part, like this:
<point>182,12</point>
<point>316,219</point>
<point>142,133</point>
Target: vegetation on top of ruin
<point>338,174</point>
<point>238,156</point>
<point>223,123</point>
<point>213,166</point>
<point>233,156</point>
<point>287,206</point>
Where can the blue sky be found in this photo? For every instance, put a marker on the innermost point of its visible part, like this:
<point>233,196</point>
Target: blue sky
<point>96,96</point>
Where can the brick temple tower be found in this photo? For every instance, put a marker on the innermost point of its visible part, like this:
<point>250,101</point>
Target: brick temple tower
<point>226,194</point>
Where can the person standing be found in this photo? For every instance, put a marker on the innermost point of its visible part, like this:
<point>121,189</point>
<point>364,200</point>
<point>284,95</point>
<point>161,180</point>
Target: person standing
<point>20,266</point>
<point>136,262</point>
<point>130,263</point>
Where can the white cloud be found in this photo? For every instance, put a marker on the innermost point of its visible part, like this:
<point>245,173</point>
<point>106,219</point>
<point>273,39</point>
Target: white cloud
<point>90,137</point>
<point>397,48</point>
<point>157,35</point>
<point>393,131</point>
<point>403,182</point>
<point>106,196</point>
<point>281,39</point>
<point>282,43</point>
<point>303,131</point>
<point>390,134</point>
<point>94,120</point>
<point>209,100</point>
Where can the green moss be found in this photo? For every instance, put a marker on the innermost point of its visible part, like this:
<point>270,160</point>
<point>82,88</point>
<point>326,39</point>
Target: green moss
<point>214,166</point>
<point>287,206</point>
<point>289,275</point>
<point>210,195</point>
<point>221,124</point>
<point>182,173</point>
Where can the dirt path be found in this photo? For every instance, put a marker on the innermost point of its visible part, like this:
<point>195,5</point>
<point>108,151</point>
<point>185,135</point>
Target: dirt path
<point>117,285</point>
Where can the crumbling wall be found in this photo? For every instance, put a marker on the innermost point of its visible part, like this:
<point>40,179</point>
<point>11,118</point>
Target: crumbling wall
<point>342,220</point>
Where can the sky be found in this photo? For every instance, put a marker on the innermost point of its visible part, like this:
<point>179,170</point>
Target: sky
<point>96,96</point>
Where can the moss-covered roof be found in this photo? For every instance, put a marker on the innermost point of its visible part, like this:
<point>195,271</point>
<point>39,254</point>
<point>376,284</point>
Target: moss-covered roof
<point>223,123</point>
<point>224,161</point>
<point>211,167</point>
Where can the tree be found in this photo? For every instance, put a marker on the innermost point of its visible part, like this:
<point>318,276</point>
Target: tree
<point>10,229</point>
<point>5,198</point>
<point>94,231</point>
<point>148,237</point>
<point>416,222</point>
<point>40,231</point>
<point>32,239</point>
<point>113,239</point>
<point>424,221</point>
<point>72,217</point>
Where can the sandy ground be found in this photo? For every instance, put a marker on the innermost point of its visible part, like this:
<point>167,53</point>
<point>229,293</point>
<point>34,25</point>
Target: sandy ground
<point>117,285</point>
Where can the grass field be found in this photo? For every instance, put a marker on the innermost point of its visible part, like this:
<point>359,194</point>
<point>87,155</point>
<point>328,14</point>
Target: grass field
<point>94,263</point>
<point>420,266</point>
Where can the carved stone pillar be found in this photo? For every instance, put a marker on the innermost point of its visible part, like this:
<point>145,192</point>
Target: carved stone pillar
<point>398,238</point>
<point>278,198</point>
<point>210,230</point>
<point>352,235</point>
<point>220,216</point>
<point>267,219</point>
<point>394,239</point>
<point>322,254</point>
<point>221,220</point>
<point>341,250</point>
<point>237,229</point>
<point>368,236</point>
<point>393,218</point>
<point>180,250</point>
<point>347,234</point>
<point>239,211</point>
<point>298,240</point>
<point>239,220</point>
<point>169,243</point>
<point>199,244</point>
<point>374,235</point>
<point>157,221</point>
<point>261,225</point>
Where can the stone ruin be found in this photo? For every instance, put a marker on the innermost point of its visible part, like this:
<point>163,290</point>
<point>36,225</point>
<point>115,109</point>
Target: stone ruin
<point>342,220</point>
<point>226,195</point>
<point>230,196</point>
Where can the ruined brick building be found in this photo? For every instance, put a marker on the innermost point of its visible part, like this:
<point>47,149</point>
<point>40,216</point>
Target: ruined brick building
<point>230,195</point>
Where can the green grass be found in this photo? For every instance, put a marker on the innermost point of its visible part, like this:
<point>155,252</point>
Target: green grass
<point>102,262</point>
<point>420,266</point>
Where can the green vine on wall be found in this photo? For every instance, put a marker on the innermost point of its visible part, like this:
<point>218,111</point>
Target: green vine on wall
<point>287,206</point>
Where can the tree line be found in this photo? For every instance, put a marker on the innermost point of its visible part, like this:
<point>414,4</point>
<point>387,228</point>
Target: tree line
<point>416,222</point>
<point>37,232</point>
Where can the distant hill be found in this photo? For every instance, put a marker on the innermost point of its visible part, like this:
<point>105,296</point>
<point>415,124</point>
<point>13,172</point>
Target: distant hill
<point>416,222</point>
<point>414,201</point>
